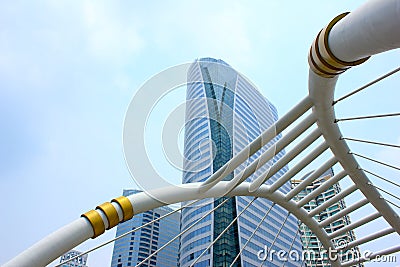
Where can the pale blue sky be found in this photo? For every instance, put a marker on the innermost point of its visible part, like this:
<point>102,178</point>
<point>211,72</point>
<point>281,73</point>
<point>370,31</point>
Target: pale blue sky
<point>68,70</point>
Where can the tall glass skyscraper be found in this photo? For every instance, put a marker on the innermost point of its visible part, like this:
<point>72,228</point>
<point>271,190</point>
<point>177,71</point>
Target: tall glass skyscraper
<point>224,113</point>
<point>137,246</point>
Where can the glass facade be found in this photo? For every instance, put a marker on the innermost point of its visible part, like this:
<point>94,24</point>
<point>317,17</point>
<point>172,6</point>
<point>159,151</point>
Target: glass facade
<point>224,113</point>
<point>137,246</point>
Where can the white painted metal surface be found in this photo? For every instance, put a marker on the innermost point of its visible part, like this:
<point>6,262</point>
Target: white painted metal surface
<point>54,245</point>
<point>371,29</point>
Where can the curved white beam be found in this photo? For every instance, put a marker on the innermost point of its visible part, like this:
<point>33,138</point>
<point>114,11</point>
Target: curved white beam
<point>80,230</point>
<point>371,29</point>
<point>347,41</point>
<point>321,91</point>
<point>54,245</point>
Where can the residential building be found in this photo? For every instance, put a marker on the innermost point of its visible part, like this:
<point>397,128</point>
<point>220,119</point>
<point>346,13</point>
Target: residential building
<point>318,257</point>
<point>78,262</point>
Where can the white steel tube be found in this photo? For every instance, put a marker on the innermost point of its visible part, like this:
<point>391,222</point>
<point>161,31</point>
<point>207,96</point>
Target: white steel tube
<point>300,165</point>
<point>368,238</point>
<point>323,187</point>
<point>54,245</point>
<point>344,212</point>
<point>371,29</point>
<point>373,256</point>
<point>302,107</point>
<point>290,155</point>
<point>273,150</point>
<point>333,200</point>
<point>315,175</point>
<point>354,225</point>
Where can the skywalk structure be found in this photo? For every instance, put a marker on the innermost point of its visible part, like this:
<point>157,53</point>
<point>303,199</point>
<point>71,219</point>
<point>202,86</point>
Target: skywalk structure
<point>349,40</point>
<point>316,255</point>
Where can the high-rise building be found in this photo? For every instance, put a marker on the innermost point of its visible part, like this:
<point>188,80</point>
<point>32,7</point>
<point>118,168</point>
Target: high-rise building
<point>135,247</point>
<point>224,113</point>
<point>78,262</point>
<point>317,256</point>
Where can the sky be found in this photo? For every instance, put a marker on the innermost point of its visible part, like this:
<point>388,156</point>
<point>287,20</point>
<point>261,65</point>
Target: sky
<point>69,69</point>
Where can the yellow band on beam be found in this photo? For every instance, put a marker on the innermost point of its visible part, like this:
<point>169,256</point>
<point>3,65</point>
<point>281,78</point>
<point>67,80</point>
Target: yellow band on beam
<point>321,59</point>
<point>126,207</point>
<point>96,221</point>
<point>111,214</point>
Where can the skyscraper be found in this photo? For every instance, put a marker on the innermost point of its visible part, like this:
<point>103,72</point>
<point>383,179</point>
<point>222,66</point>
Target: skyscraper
<point>224,113</point>
<point>318,257</point>
<point>137,246</point>
<point>78,262</point>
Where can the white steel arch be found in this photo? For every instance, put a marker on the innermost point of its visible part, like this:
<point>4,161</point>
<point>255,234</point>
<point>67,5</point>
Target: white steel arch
<point>347,41</point>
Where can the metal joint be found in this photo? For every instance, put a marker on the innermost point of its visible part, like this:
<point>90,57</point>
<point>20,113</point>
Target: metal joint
<point>321,59</point>
<point>126,207</point>
<point>96,221</point>
<point>111,214</point>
